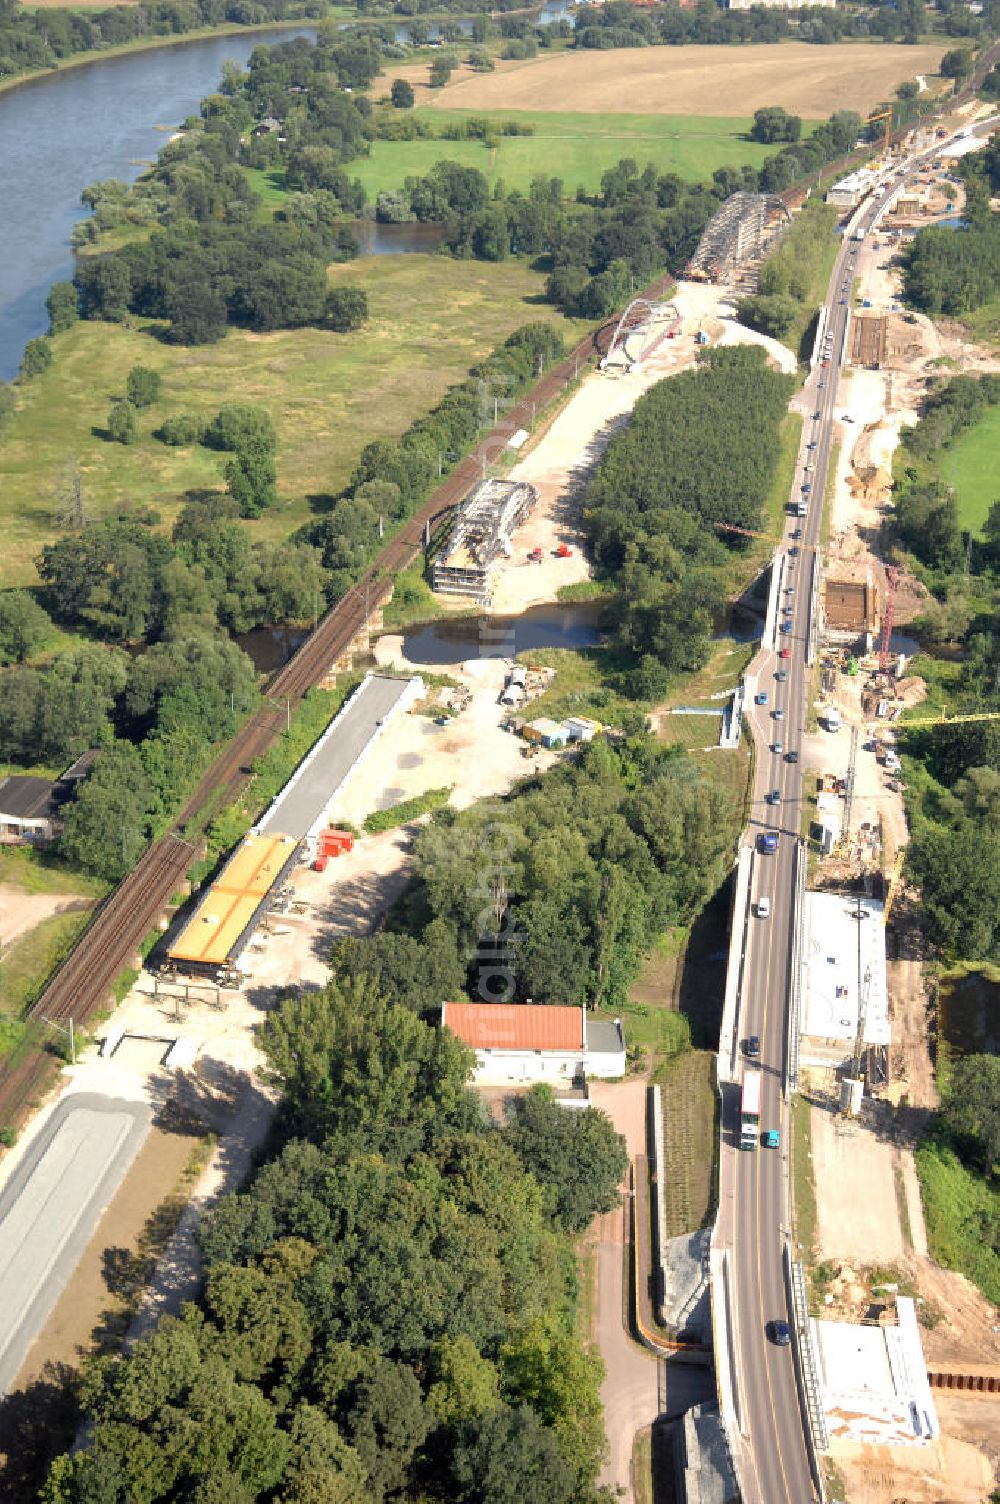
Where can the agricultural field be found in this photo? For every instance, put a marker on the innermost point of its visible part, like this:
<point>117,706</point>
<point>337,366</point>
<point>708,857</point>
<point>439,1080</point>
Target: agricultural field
<point>576,147</point>
<point>809,81</point>
<point>329,394</point>
<point>970,465</point>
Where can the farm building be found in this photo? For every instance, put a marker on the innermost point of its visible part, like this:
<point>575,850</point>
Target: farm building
<point>28,808</point>
<point>522,1042</point>
<point>481,536</point>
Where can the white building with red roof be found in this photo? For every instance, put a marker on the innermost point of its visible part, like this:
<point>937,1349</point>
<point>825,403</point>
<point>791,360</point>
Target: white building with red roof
<point>525,1042</point>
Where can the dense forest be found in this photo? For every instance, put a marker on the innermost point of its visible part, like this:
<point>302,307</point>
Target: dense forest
<point>389,1307</point>
<point>701,449</point>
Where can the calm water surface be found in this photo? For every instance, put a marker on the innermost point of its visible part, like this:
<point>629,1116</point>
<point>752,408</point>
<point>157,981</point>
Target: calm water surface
<point>64,130</point>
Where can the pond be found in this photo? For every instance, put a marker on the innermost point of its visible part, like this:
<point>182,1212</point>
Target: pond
<point>458,638</point>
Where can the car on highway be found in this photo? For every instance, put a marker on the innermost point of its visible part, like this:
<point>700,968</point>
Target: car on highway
<point>751,1047</point>
<point>816,416</point>
<point>777,713</point>
<point>784,626</point>
<point>792,756</point>
<point>789,589</point>
<point>763,908</point>
<point>770,1138</point>
<point>767,841</point>
<point>807,488</point>
<point>781,675</point>
<point>796,532</point>
<point>775,796</point>
<point>779,1332</point>
<point>811,444</point>
<point>784,652</point>
<point>793,552</point>
<point>822,385</point>
<point>760,698</point>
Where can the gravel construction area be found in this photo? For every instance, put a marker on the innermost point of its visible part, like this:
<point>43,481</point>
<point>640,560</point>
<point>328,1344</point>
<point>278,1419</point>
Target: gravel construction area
<point>700,80</point>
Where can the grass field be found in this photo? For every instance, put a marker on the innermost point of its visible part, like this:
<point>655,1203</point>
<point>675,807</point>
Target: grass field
<point>809,81</point>
<point>971,465</point>
<point>689,1150</point>
<point>960,1210</point>
<point>329,394</point>
<point>576,147</point>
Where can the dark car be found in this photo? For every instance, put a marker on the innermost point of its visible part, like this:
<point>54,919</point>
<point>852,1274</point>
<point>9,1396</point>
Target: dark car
<point>780,1333</point>
<point>751,1047</point>
<point>791,757</point>
<point>781,675</point>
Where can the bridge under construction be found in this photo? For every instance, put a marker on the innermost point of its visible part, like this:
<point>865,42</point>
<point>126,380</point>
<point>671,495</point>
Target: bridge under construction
<point>736,239</point>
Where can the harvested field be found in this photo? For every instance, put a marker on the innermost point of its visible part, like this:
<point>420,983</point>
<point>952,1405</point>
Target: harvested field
<point>810,81</point>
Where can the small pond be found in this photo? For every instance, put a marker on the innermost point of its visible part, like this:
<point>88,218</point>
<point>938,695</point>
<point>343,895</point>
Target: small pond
<point>457,638</point>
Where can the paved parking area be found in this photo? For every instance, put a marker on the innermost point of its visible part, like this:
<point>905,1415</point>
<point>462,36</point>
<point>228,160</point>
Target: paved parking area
<point>51,1205</point>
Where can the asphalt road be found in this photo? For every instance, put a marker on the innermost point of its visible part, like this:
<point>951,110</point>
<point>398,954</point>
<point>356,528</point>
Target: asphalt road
<point>50,1207</point>
<point>755,1185</point>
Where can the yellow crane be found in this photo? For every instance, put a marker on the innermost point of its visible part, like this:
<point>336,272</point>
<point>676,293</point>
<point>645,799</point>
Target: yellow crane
<point>949,720</point>
<point>885,115</point>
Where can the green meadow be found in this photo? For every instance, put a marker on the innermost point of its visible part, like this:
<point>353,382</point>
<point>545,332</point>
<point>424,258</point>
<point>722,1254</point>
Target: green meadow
<point>578,148</point>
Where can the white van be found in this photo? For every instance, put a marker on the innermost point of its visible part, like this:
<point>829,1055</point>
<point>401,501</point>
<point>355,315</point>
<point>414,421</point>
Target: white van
<point>763,908</point>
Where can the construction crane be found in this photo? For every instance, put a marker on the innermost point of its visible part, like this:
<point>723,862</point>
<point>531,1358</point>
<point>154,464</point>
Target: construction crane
<point>950,720</point>
<point>885,115</point>
<point>864,994</point>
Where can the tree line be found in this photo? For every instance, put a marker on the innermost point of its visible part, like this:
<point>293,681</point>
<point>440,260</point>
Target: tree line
<point>388,1308</point>
<point>700,449</point>
<point>618,24</point>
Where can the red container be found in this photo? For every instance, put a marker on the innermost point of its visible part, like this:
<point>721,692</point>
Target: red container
<point>319,865</point>
<point>345,838</point>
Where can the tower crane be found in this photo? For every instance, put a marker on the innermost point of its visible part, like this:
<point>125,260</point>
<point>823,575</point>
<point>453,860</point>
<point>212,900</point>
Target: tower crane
<point>885,115</point>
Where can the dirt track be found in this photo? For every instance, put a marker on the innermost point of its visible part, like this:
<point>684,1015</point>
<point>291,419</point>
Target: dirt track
<point>810,81</point>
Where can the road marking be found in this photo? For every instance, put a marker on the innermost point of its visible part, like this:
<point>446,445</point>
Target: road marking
<point>760,1293</point>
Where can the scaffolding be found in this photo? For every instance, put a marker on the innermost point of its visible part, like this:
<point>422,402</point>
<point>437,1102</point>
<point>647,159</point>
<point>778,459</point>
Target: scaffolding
<point>737,237</point>
<point>481,535</point>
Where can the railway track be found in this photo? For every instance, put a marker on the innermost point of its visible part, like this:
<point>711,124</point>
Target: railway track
<point>82,984</point>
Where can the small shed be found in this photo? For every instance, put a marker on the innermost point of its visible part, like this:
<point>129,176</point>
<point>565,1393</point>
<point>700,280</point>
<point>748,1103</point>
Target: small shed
<point>581,728</point>
<point>551,734</point>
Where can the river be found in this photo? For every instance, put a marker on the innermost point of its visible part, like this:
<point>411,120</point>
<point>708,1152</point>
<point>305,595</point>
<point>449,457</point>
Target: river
<point>109,119</point>
<point>66,129</point>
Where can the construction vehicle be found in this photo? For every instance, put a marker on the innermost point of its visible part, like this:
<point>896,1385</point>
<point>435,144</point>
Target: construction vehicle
<point>564,551</point>
<point>536,556</point>
<point>750,1109</point>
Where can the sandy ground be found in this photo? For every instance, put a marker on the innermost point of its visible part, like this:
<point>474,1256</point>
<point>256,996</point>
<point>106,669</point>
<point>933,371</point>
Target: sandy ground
<point>20,912</point>
<point>856,1194</point>
<point>560,462</point>
<point>809,81</point>
<point>946,1472</point>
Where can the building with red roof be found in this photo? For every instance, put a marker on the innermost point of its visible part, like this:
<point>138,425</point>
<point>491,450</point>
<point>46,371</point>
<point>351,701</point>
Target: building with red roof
<point>525,1042</point>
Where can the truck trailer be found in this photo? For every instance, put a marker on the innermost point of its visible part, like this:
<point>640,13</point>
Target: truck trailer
<point>750,1109</point>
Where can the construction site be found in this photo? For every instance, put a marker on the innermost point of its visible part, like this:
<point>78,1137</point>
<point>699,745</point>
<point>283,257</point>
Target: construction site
<point>258,878</point>
<point>737,238</point>
<point>480,538</point>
